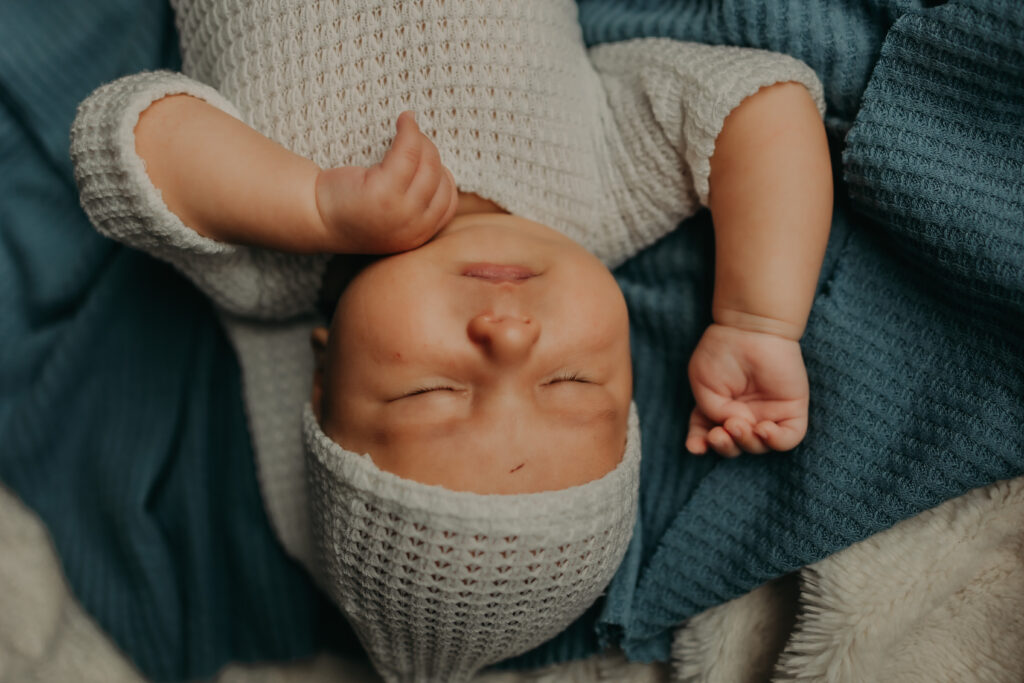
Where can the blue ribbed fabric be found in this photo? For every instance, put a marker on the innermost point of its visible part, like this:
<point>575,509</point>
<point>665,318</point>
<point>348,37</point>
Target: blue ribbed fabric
<point>120,412</point>
<point>913,346</point>
<point>119,401</point>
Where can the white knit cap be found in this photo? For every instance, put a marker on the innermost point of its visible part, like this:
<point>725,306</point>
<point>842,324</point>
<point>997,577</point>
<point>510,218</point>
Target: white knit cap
<point>438,583</point>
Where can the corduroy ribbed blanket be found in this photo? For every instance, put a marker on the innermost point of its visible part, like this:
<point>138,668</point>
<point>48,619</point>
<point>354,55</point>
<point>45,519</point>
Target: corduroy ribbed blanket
<point>121,414</point>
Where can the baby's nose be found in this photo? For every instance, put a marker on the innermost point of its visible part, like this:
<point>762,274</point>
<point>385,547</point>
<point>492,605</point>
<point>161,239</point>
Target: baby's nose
<point>505,338</point>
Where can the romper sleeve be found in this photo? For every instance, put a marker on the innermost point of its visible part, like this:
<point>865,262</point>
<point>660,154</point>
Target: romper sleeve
<point>667,103</point>
<point>123,204</point>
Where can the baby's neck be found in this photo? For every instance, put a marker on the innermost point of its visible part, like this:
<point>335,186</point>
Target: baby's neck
<point>474,203</point>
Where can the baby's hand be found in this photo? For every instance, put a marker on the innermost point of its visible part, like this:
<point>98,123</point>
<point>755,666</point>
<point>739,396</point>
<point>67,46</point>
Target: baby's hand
<point>751,390</point>
<point>393,206</point>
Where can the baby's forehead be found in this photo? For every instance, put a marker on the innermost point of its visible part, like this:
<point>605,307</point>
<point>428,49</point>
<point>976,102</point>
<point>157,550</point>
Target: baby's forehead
<point>530,455</point>
<point>339,273</point>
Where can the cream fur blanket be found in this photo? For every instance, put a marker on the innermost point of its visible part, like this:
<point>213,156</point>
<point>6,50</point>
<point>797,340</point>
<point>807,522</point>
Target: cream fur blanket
<point>939,597</point>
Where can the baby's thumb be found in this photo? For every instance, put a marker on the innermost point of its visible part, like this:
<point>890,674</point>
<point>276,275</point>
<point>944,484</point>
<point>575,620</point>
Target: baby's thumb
<point>403,157</point>
<point>406,123</point>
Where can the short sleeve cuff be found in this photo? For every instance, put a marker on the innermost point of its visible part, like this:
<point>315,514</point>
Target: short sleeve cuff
<point>115,190</point>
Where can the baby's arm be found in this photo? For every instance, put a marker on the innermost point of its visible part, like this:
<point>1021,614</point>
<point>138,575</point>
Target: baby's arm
<point>230,183</point>
<point>771,202</point>
<point>119,196</point>
<point>738,131</point>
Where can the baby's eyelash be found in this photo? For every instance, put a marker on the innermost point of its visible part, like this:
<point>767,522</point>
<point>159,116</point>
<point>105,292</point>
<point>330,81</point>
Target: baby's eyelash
<point>570,377</point>
<point>426,390</point>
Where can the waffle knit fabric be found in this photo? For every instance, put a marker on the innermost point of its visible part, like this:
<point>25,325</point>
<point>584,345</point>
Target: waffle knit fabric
<point>439,584</point>
<point>147,486</point>
<point>612,148</point>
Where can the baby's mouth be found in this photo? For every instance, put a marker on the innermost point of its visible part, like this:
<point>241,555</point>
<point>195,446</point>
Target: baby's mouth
<point>493,272</point>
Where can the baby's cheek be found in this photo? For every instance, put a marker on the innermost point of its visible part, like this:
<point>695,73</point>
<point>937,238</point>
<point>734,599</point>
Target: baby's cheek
<point>588,451</point>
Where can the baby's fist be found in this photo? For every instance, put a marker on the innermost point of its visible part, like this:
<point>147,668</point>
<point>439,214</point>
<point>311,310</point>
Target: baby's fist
<point>751,390</point>
<point>395,205</point>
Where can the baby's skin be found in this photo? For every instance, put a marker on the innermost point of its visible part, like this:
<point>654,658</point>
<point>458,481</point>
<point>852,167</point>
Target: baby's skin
<point>489,353</point>
<point>494,358</point>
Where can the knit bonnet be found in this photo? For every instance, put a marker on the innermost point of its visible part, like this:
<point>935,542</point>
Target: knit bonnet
<point>438,583</point>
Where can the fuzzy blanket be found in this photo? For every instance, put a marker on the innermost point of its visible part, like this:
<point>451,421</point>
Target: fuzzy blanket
<point>939,598</point>
<point>121,413</point>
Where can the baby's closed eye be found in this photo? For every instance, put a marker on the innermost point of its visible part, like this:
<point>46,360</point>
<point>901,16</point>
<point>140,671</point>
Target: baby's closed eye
<point>568,377</point>
<point>426,390</point>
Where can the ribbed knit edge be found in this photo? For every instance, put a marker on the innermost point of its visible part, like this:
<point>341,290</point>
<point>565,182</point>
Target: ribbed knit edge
<point>107,165</point>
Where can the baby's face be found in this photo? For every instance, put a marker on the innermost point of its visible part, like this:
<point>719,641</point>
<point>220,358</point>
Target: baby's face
<point>493,359</point>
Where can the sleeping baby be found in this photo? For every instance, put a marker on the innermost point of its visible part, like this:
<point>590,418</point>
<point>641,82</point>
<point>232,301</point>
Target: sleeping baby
<point>463,478</point>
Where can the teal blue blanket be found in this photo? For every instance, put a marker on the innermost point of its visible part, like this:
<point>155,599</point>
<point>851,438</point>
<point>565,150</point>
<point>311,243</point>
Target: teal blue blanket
<point>120,409</point>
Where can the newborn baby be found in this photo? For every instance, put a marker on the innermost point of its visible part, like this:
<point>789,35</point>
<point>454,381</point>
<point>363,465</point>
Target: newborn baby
<point>487,351</point>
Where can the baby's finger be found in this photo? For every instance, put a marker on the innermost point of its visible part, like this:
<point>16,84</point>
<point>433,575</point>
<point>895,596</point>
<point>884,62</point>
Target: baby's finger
<point>722,443</point>
<point>743,434</point>
<point>429,176</point>
<point>783,436</point>
<point>438,213</point>
<point>453,202</point>
<point>696,437</point>
<point>403,158</point>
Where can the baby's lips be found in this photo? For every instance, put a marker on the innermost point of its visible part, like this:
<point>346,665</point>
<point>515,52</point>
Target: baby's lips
<point>494,272</point>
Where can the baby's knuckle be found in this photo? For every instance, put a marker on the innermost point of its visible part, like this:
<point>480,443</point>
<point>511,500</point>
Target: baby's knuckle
<point>382,200</point>
<point>431,167</point>
<point>430,150</point>
<point>377,181</point>
<point>410,154</point>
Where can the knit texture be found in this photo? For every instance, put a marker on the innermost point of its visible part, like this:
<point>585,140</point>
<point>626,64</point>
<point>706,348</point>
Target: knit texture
<point>258,283</point>
<point>612,148</point>
<point>613,157</point>
<point>917,397</point>
<point>839,41</point>
<point>912,346</point>
<point>441,583</point>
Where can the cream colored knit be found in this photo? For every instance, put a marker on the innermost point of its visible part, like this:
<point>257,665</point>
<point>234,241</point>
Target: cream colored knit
<point>611,146</point>
<point>439,583</point>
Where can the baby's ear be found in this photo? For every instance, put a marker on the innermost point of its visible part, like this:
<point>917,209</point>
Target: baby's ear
<point>318,340</point>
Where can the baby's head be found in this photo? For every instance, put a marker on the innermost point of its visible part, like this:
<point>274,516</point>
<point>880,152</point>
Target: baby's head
<point>492,360</point>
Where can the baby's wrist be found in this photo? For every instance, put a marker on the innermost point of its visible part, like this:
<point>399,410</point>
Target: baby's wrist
<point>753,322</point>
<point>336,205</point>
<point>319,219</point>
